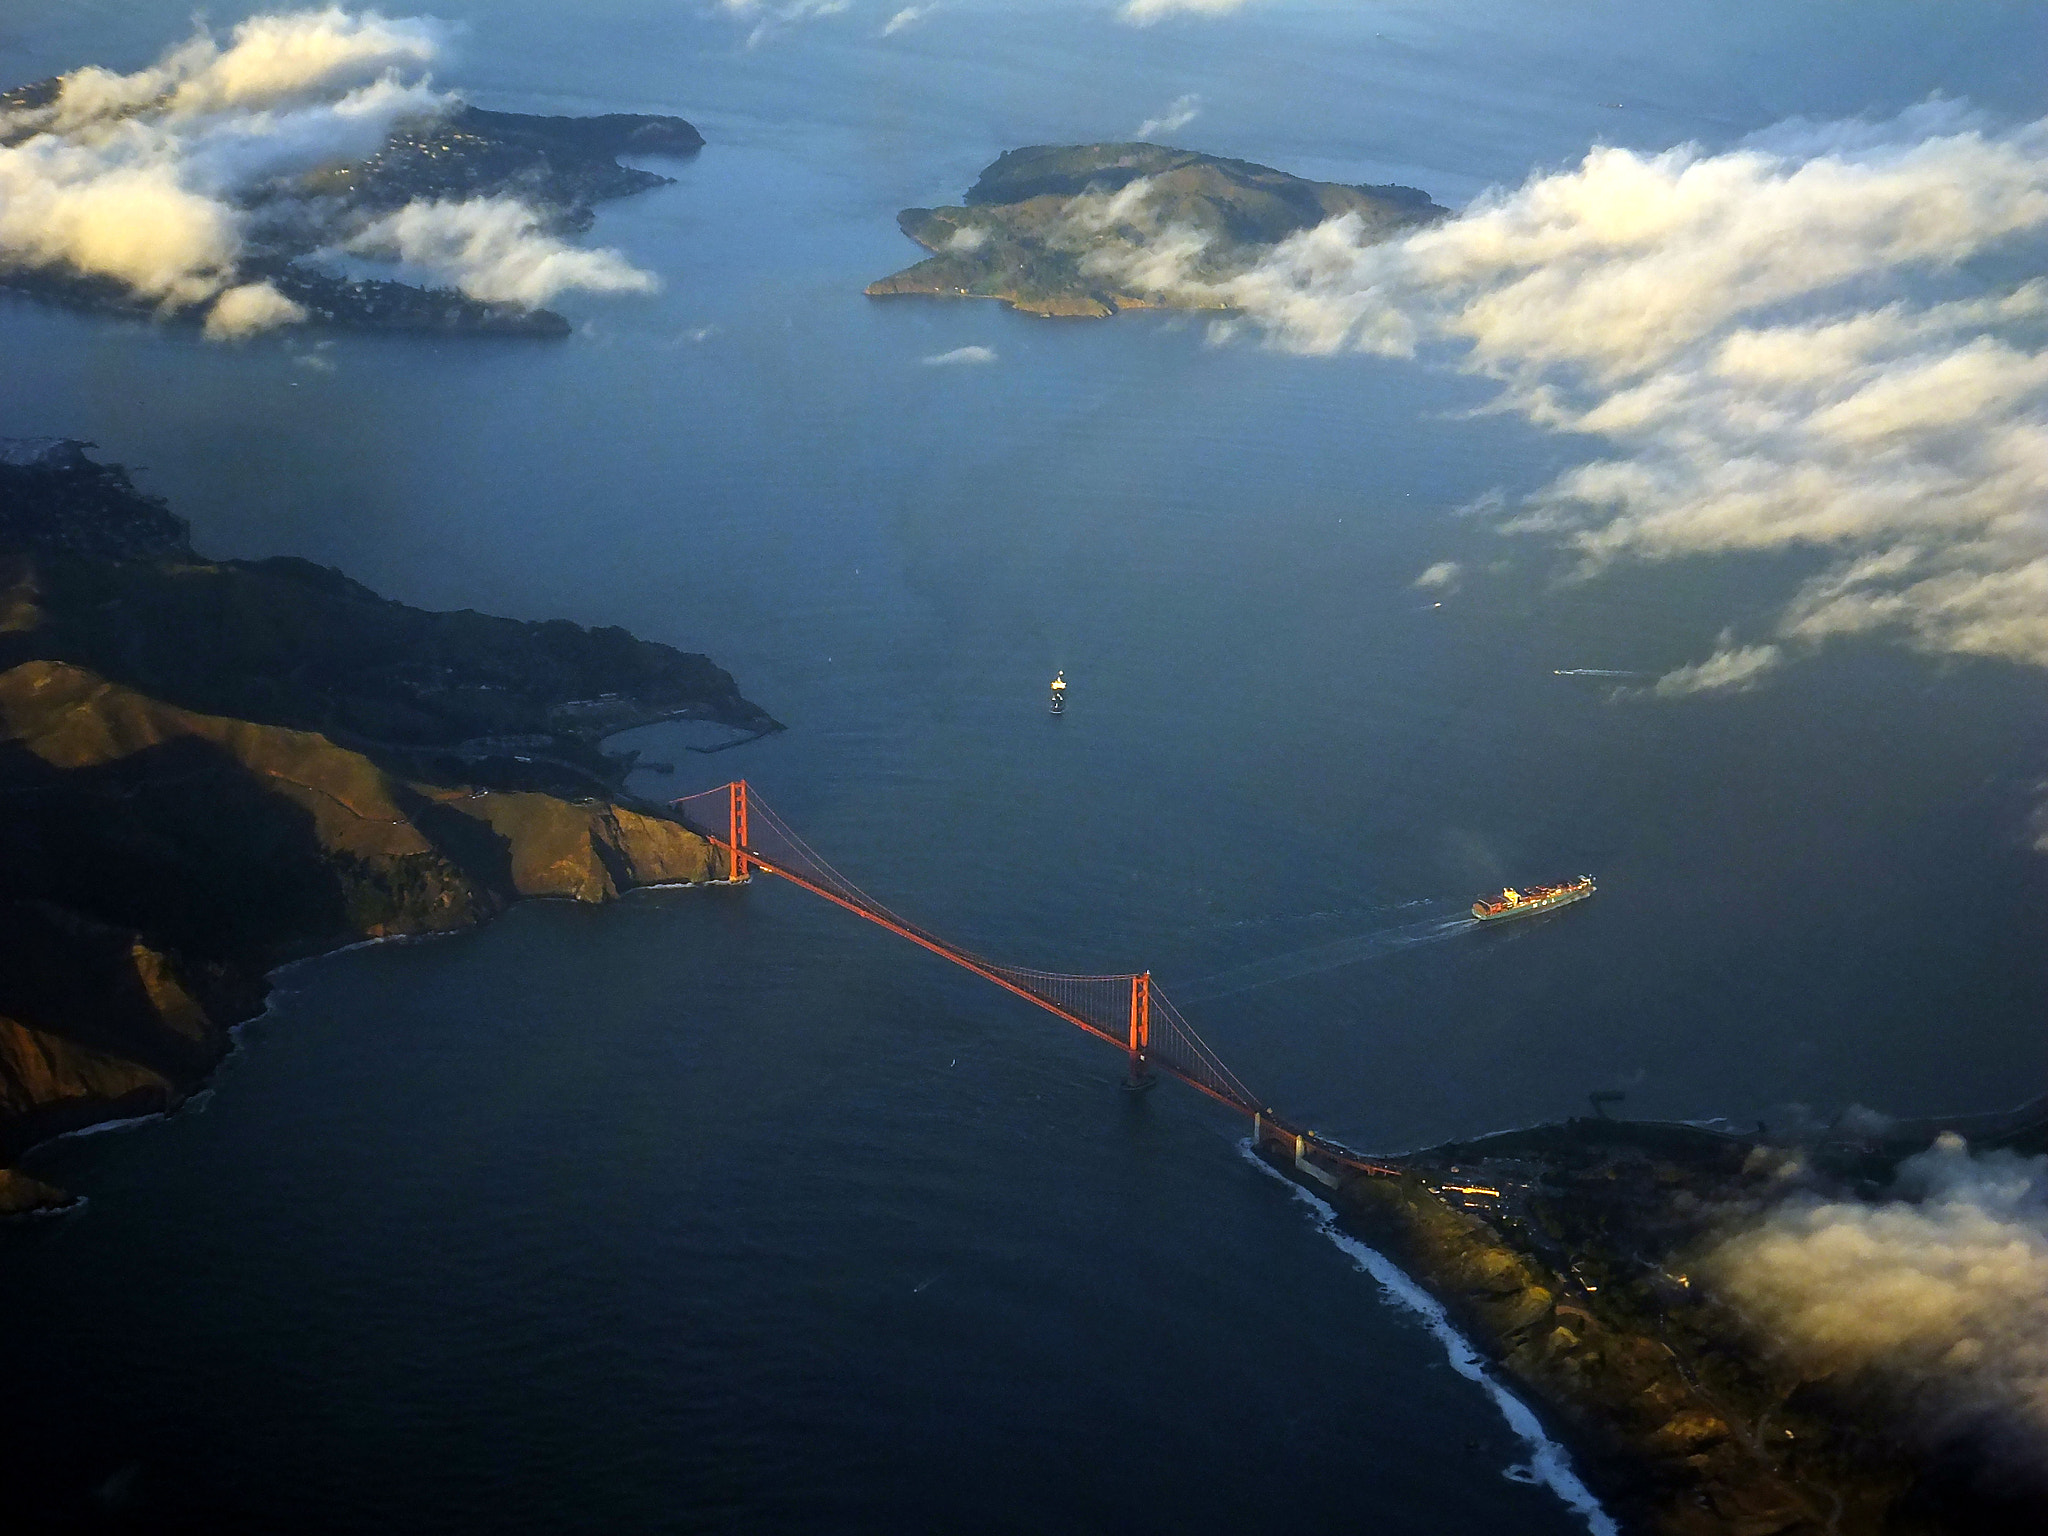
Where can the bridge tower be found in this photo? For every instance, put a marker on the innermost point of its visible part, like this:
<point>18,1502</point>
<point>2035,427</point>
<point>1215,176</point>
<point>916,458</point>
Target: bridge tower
<point>1140,1077</point>
<point>737,810</point>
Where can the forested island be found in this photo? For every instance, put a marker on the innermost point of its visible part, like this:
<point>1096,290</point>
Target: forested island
<point>1068,229</point>
<point>211,767</point>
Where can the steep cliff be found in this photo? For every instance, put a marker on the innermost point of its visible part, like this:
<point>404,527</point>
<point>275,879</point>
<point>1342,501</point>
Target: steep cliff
<point>207,768</point>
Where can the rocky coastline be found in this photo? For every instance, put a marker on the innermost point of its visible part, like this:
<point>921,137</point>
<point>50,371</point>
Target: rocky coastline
<point>211,768</point>
<point>1568,1255</point>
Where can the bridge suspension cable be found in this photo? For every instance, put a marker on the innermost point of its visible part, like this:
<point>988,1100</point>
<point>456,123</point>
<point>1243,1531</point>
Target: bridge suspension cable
<point>1127,1010</point>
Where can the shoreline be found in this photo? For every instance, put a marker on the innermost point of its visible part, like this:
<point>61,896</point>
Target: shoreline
<point>1062,230</point>
<point>205,1086</point>
<point>1463,1284</point>
<point>1550,1458</point>
<point>1567,1256</point>
<point>198,823</point>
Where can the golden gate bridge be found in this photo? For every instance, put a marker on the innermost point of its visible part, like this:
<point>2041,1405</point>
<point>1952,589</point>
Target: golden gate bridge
<point>1127,1011</point>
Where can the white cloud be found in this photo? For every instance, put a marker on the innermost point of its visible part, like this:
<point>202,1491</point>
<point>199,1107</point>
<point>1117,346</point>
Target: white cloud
<point>247,309</point>
<point>1184,110</point>
<point>1729,669</point>
<point>1145,12</point>
<point>1782,344</point>
<point>135,222</point>
<point>968,237</point>
<point>496,250</point>
<point>145,179</point>
<point>274,59</point>
<point>1940,1296</point>
<point>909,16</point>
<point>1097,213</point>
<point>270,61</point>
<point>148,197</point>
<point>771,17</point>
<point>1443,575</point>
<point>1156,265</point>
<point>961,355</point>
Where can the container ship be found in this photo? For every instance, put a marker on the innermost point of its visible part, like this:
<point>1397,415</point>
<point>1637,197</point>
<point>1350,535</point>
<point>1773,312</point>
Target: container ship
<point>1541,898</point>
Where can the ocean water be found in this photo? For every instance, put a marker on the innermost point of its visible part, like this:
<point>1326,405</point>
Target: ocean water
<point>718,1211</point>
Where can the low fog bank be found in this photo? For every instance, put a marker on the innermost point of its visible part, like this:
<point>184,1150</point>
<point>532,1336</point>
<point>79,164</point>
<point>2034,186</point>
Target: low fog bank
<point>1932,1296</point>
<point>168,180</point>
<point>1801,341</point>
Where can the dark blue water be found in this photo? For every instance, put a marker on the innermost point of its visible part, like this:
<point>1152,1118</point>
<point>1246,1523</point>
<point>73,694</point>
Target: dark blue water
<point>717,1210</point>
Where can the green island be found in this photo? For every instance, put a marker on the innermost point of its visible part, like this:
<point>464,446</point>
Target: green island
<point>213,767</point>
<point>1578,1259</point>
<point>563,167</point>
<point>1067,229</point>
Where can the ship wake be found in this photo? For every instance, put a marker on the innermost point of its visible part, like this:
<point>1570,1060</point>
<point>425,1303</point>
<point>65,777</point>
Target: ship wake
<point>1323,957</point>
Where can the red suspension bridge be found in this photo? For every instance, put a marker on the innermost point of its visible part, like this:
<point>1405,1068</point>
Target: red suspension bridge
<point>1126,1011</point>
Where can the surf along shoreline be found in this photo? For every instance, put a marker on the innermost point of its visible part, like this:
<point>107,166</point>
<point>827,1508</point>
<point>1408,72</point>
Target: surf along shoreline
<point>1562,1253</point>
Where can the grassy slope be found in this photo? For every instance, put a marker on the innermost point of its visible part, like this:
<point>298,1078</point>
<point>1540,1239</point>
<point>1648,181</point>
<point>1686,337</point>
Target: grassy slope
<point>1016,237</point>
<point>211,767</point>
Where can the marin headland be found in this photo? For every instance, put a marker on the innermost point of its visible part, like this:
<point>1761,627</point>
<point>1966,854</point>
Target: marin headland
<point>214,767</point>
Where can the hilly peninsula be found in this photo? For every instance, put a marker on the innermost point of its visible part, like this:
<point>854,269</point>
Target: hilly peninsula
<point>210,767</point>
<point>1587,1261</point>
<point>1090,229</point>
<point>561,166</point>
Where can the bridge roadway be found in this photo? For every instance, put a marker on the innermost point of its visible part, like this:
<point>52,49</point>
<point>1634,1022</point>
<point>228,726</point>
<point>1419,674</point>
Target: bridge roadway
<point>1126,1011</point>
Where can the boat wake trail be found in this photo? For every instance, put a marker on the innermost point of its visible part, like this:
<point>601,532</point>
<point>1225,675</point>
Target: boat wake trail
<point>1322,957</point>
<point>1593,672</point>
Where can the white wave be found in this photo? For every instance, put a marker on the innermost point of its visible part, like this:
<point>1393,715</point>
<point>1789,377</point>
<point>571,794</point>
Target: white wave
<point>1548,1463</point>
<point>292,967</point>
<point>100,1127</point>
<point>70,1207</point>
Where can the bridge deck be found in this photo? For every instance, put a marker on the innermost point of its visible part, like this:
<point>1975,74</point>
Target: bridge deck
<point>1125,1011</point>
